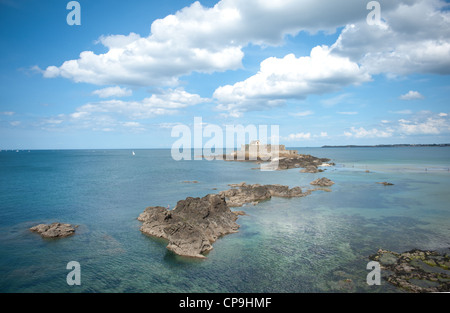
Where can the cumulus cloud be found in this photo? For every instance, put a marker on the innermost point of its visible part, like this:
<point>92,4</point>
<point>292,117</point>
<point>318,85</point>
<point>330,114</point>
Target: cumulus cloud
<point>290,77</point>
<point>202,39</point>
<point>414,37</point>
<point>115,91</point>
<point>412,95</point>
<point>424,123</point>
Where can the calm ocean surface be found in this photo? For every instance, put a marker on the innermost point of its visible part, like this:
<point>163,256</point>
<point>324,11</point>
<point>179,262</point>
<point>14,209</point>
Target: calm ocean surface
<point>309,244</point>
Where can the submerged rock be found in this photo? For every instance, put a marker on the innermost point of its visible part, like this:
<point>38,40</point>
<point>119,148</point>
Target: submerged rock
<point>416,270</point>
<point>192,226</point>
<point>54,230</point>
<point>323,182</point>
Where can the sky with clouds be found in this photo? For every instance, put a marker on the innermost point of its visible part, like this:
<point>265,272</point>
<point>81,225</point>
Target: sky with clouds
<point>134,69</point>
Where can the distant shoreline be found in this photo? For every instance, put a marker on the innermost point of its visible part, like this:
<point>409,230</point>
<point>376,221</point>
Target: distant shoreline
<point>390,146</point>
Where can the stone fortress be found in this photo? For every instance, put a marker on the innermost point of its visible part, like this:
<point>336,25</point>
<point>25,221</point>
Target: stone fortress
<point>256,150</point>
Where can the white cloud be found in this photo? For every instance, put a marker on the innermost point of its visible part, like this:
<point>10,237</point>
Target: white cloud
<point>304,136</point>
<point>115,91</point>
<point>412,95</point>
<point>169,102</point>
<point>402,112</point>
<point>290,77</point>
<point>413,39</point>
<point>443,114</point>
<point>299,136</point>
<point>348,113</point>
<point>321,135</point>
<point>369,133</point>
<point>425,123</point>
<point>202,39</point>
<point>167,125</point>
<point>15,123</point>
<point>421,123</point>
<point>335,100</point>
<point>8,113</point>
<point>126,115</point>
<point>303,113</point>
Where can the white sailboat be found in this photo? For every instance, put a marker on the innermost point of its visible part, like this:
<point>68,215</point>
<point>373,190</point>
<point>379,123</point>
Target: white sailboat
<point>133,153</point>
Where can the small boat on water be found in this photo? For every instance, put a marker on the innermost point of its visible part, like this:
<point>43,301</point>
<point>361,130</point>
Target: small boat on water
<point>133,153</point>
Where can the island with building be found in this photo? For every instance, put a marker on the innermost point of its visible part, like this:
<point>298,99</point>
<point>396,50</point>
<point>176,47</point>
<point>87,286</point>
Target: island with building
<point>277,157</point>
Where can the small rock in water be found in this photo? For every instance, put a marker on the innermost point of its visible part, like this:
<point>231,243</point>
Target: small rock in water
<point>54,230</point>
<point>323,182</point>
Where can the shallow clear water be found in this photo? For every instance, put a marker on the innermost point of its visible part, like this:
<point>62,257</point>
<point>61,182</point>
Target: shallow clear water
<point>309,244</point>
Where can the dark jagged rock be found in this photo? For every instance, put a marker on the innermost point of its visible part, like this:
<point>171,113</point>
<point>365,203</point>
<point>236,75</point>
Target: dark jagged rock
<point>416,270</point>
<point>237,197</point>
<point>54,230</point>
<point>323,182</point>
<point>192,226</point>
<point>196,223</point>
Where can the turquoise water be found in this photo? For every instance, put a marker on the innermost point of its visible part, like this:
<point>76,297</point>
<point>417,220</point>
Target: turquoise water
<point>310,244</point>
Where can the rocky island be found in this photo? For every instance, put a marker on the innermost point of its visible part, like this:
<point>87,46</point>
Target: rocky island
<point>278,156</point>
<point>196,223</point>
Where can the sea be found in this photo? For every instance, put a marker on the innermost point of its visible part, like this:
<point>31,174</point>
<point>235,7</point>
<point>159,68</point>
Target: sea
<point>320,243</point>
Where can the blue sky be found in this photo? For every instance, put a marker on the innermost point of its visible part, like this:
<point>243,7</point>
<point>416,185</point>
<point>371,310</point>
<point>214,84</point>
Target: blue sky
<point>134,69</point>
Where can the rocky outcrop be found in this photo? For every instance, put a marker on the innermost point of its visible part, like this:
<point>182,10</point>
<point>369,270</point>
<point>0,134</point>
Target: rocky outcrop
<point>416,270</point>
<point>243,194</point>
<point>309,169</point>
<point>54,230</point>
<point>323,182</point>
<point>196,223</point>
<point>306,161</point>
<point>287,162</point>
<point>192,226</point>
